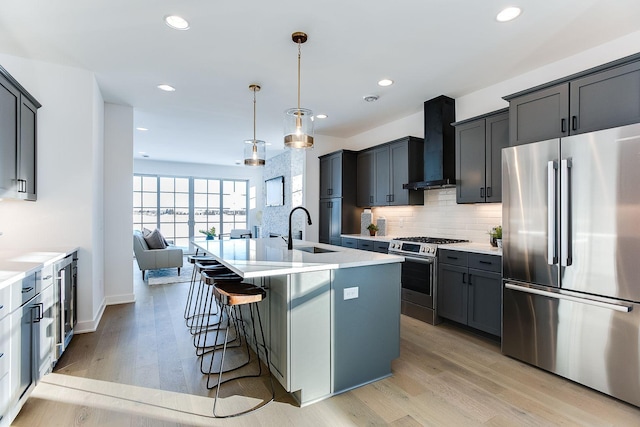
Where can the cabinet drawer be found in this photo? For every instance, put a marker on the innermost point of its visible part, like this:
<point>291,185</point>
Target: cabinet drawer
<point>4,345</point>
<point>46,278</point>
<point>365,245</point>
<point>485,262</point>
<point>5,301</point>
<point>349,242</point>
<point>382,247</point>
<point>447,256</point>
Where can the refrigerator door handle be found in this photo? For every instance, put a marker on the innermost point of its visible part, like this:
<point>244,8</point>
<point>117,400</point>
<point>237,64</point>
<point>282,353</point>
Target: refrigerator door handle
<point>552,256</point>
<point>565,213</point>
<point>556,295</point>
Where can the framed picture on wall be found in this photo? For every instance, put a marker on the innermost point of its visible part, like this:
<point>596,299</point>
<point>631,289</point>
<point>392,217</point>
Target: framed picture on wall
<point>274,191</point>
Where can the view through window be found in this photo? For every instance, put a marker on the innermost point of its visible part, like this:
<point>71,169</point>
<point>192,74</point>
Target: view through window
<point>180,207</point>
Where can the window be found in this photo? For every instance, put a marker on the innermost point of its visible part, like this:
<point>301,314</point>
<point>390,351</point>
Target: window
<point>181,207</point>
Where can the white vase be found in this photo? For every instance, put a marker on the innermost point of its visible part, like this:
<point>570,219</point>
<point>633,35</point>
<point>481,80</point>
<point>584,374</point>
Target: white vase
<point>499,242</point>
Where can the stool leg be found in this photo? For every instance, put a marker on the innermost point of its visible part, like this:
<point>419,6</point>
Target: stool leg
<point>187,307</point>
<point>264,345</point>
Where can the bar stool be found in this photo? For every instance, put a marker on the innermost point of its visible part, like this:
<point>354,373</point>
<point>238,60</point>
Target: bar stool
<point>231,296</point>
<point>208,309</point>
<point>192,259</point>
<point>194,298</point>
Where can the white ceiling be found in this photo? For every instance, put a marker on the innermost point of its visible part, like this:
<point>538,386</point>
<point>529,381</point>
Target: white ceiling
<point>428,47</point>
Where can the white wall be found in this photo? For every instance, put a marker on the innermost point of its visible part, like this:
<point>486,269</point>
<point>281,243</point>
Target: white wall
<point>69,124</point>
<point>118,203</point>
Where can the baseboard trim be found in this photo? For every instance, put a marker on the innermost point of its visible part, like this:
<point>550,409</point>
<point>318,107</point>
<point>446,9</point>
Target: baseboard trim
<point>120,299</point>
<point>91,325</point>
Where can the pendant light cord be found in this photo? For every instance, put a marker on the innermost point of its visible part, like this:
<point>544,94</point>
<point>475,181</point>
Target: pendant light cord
<point>254,118</point>
<point>299,78</point>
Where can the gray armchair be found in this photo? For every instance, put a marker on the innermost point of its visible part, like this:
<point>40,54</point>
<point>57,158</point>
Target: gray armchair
<point>153,259</point>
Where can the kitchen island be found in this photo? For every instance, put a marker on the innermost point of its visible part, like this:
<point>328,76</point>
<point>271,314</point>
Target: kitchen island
<point>331,316</point>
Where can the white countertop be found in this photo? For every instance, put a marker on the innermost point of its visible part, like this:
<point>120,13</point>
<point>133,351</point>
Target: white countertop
<point>18,264</point>
<point>270,257</point>
<point>482,248</point>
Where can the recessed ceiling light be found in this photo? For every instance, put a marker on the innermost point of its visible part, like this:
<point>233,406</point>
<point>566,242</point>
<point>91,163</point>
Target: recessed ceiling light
<point>385,82</point>
<point>142,129</point>
<point>176,22</point>
<point>238,162</point>
<point>321,116</point>
<point>166,88</point>
<point>508,14</point>
<point>370,98</point>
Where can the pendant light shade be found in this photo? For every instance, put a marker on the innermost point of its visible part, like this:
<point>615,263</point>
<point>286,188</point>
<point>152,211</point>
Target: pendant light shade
<point>254,150</point>
<point>298,122</point>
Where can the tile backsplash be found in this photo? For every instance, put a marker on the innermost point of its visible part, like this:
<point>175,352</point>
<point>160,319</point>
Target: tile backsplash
<point>441,216</point>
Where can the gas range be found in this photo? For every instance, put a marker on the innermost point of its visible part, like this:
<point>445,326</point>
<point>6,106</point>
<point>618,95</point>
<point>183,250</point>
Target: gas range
<point>419,246</point>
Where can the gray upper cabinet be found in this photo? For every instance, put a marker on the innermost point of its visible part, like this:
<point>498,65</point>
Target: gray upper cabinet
<point>9,102</point>
<point>606,99</point>
<point>331,176</point>
<point>599,98</point>
<point>540,115</point>
<point>479,142</point>
<point>383,169</point>
<point>18,117</point>
<point>366,178</point>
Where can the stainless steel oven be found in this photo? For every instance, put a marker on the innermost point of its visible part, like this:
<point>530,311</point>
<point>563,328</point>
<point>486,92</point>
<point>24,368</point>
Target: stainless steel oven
<point>419,275</point>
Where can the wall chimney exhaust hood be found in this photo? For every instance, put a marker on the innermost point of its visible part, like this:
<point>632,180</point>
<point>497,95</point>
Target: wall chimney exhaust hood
<point>439,145</point>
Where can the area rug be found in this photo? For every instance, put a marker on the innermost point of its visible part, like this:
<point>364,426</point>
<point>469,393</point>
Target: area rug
<point>165,276</point>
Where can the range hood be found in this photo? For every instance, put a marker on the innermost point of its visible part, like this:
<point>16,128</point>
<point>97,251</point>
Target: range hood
<point>439,145</point>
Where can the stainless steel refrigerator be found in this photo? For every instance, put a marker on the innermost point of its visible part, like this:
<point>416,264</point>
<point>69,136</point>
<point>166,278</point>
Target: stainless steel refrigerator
<point>571,258</point>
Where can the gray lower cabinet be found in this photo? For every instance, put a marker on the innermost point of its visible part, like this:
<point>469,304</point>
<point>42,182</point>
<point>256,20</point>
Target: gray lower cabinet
<point>470,289</point>
<point>18,117</point>
<point>479,144</point>
<point>365,244</point>
<point>601,98</point>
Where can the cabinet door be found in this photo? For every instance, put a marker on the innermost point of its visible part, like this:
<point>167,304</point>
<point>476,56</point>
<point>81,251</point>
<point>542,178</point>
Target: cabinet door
<point>46,327</point>
<point>324,222</point>
<point>452,292</point>
<point>605,100</point>
<point>325,177</point>
<point>470,157</point>
<point>27,152</point>
<point>366,178</point>
<point>9,103</point>
<point>335,228</point>
<point>381,164</point>
<point>335,189</point>
<point>485,301</point>
<point>399,173</point>
<point>540,115</point>
<point>497,138</point>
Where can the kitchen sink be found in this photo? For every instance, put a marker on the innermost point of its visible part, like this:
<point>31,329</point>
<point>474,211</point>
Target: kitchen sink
<point>313,249</point>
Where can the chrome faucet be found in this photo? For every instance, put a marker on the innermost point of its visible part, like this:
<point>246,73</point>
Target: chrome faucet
<point>290,241</point>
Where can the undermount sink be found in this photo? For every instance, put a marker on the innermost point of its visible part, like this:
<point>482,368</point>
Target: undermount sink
<point>313,249</point>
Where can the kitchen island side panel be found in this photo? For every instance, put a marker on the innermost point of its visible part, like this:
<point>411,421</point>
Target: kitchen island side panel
<point>310,339</point>
<point>366,328</point>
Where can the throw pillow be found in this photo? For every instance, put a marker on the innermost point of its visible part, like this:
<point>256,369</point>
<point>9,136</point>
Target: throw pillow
<point>155,240</point>
<point>146,232</point>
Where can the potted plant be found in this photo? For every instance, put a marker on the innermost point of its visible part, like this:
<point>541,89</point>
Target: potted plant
<point>496,236</point>
<point>210,233</point>
<point>372,229</point>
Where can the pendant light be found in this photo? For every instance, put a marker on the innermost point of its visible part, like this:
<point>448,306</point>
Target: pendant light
<point>298,122</point>
<point>254,151</point>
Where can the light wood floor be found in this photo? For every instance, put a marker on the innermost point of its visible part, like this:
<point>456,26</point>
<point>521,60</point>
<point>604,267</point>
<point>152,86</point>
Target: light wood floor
<point>139,369</point>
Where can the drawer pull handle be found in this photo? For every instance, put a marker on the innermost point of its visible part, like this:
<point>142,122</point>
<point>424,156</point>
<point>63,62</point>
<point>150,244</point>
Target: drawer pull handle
<point>1,306</point>
<point>25,290</point>
<point>47,278</point>
<point>1,354</point>
<point>486,262</point>
<point>452,257</point>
